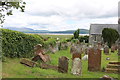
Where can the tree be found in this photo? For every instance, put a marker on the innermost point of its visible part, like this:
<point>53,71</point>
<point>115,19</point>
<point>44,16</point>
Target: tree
<point>76,34</point>
<point>6,8</point>
<point>110,36</point>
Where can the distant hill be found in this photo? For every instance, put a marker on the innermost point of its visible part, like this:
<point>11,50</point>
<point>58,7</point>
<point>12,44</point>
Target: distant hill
<point>29,30</point>
<point>82,31</point>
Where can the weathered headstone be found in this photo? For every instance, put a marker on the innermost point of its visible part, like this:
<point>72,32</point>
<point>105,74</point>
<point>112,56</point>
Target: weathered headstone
<point>106,50</point>
<point>86,51</point>
<point>63,64</point>
<point>76,55</point>
<point>76,49</point>
<point>94,59</point>
<point>116,47</point>
<point>99,45</point>
<point>63,46</point>
<point>113,48</point>
<point>77,66</point>
<point>85,57</point>
<point>39,54</point>
<point>47,66</point>
<point>27,62</point>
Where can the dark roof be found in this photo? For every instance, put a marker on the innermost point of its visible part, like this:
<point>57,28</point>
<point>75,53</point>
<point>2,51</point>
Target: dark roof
<point>97,28</point>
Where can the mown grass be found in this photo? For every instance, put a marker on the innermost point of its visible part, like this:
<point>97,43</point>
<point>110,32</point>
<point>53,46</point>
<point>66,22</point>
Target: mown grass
<point>13,69</point>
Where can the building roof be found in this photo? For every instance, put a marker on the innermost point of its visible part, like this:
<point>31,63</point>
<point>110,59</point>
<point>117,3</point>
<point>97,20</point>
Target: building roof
<point>97,28</point>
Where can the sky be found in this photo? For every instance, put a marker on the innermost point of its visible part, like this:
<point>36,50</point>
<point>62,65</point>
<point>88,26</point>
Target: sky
<point>61,15</point>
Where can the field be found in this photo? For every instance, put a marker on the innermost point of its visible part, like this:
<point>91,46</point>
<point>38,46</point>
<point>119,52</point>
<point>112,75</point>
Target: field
<point>13,69</point>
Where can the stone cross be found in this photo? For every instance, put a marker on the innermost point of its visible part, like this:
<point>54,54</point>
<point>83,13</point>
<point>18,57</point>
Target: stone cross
<point>63,64</point>
<point>94,59</point>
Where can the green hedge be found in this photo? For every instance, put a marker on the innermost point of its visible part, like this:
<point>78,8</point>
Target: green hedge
<point>18,44</point>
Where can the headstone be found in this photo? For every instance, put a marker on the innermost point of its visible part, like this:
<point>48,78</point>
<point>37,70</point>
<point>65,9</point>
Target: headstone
<point>63,64</point>
<point>77,67</point>
<point>99,45</point>
<point>38,49</point>
<point>85,57</point>
<point>116,46</point>
<point>76,49</point>
<point>86,51</point>
<point>76,55</point>
<point>113,48</point>
<point>27,62</point>
<point>63,46</point>
<point>94,59</point>
<point>47,66</point>
<point>106,50</point>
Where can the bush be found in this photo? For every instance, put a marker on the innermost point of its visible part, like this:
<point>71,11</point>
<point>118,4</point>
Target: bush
<point>76,34</point>
<point>50,41</point>
<point>18,44</point>
<point>82,38</point>
<point>110,36</point>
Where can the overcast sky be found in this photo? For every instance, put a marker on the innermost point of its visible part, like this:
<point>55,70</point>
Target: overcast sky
<point>56,15</point>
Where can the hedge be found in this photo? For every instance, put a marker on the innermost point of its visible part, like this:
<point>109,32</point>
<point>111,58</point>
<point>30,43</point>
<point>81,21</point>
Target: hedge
<point>18,44</point>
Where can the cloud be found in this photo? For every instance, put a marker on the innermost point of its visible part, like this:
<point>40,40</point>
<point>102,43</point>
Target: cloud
<point>64,14</point>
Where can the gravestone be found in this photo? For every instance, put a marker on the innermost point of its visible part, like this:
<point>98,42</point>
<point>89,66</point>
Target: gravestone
<point>39,54</point>
<point>76,55</point>
<point>85,57</point>
<point>113,48</point>
<point>47,66</point>
<point>63,46</point>
<point>99,45</point>
<point>94,59</point>
<point>27,62</point>
<point>76,66</point>
<point>106,50</point>
<point>116,47</point>
<point>63,64</point>
<point>76,49</point>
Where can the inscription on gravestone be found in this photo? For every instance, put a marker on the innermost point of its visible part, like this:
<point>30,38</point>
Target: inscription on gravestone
<point>63,64</point>
<point>94,59</point>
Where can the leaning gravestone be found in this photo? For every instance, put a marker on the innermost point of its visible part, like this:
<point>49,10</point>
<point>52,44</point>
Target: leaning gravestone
<point>63,64</point>
<point>94,59</point>
<point>106,50</point>
<point>76,66</point>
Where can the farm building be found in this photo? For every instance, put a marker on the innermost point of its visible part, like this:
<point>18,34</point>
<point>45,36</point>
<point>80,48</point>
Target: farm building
<point>96,31</point>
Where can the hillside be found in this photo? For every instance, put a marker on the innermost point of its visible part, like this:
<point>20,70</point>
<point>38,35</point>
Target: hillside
<point>29,30</point>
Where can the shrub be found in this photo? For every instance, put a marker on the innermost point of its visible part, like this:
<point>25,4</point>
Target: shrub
<point>18,44</point>
<point>110,36</point>
<point>76,34</point>
<point>82,38</point>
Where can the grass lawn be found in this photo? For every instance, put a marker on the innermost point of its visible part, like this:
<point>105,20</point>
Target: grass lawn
<point>13,69</point>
